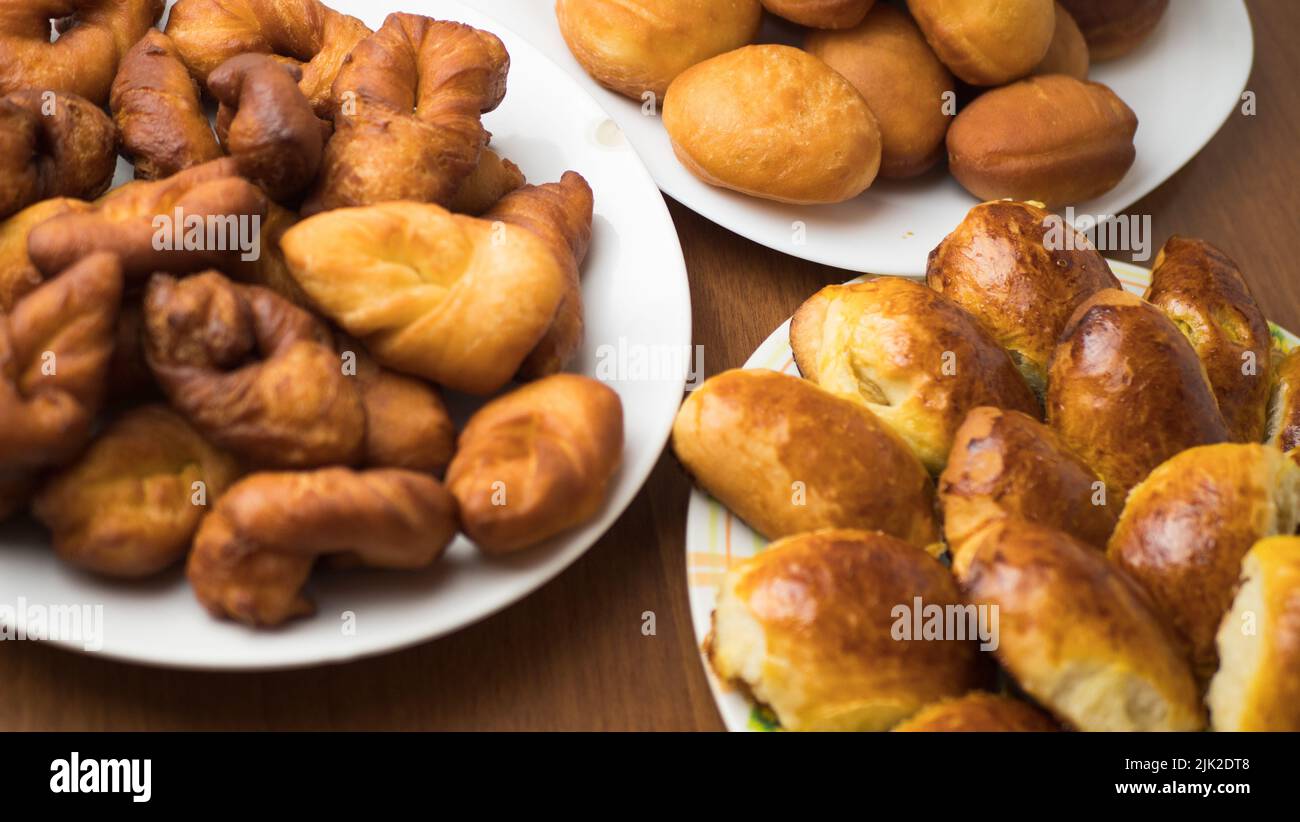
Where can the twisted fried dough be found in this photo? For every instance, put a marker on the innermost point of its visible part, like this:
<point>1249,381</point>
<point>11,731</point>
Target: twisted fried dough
<point>53,146</point>
<point>93,37</point>
<point>157,109</point>
<point>17,274</point>
<point>254,552</point>
<point>407,122</point>
<point>493,178</point>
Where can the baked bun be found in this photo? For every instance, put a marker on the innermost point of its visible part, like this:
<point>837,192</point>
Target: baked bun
<point>638,46</point>
<point>18,275</point>
<point>1186,527</point>
<point>1068,53</point>
<point>910,355</point>
<point>1006,464</point>
<point>1126,391</point>
<point>1201,289</point>
<point>1076,633</point>
<point>537,461</point>
<point>821,14</point>
<point>888,61</point>
<point>979,712</point>
<point>809,628</point>
<point>987,42</point>
<point>1021,271</point>
<point>1284,413</point>
<point>1256,688</point>
<point>774,122</point>
<point>57,147</point>
<point>788,457</point>
<point>1114,28</point>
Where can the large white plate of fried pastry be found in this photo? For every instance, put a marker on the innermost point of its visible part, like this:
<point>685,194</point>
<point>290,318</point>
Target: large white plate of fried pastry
<point>360,405</point>
<point>767,142</point>
<point>1101,479</point>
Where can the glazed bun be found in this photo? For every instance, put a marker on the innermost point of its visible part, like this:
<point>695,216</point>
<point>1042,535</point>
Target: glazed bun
<point>979,712</point>
<point>1186,527</point>
<point>635,46</point>
<point>1284,416</point>
<point>788,457</point>
<point>808,627</point>
<point>987,42</point>
<point>1006,464</point>
<point>1114,28</point>
<point>888,61</point>
<point>1256,688</point>
<point>1076,633</point>
<point>910,355</point>
<point>1068,53</point>
<point>1021,271</point>
<point>821,14</point>
<point>773,122</point>
<point>1201,289</point>
<point>1126,391</point>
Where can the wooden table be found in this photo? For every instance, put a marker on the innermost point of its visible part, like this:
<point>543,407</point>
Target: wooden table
<point>572,656</point>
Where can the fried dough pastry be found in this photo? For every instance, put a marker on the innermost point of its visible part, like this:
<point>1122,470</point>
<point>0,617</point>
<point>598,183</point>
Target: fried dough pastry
<point>987,42</point>
<point>60,146</point>
<point>18,275</point>
<point>158,111</point>
<point>254,373</point>
<point>979,712</point>
<point>1068,53</point>
<point>493,178</point>
<point>454,299</point>
<point>1007,464</point>
<point>1284,414</point>
<point>1113,28</point>
<point>93,37</point>
<point>217,211</point>
<point>537,461</point>
<point>910,355</point>
<point>1186,527</point>
<point>130,505</point>
<point>306,33</point>
<point>821,14</point>
<point>408,123</point>
<point>270,270</point>
<point>129,377</point>
<point>254,552</point>
<point>55,347</point>
<point>1201,289</point>
<point>560,214</point>
<point>268,125</point>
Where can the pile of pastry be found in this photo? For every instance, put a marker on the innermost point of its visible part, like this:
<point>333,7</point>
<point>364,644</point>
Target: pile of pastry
<point>236,360</point>
<point>1109,476</point>
<point>1000,86</point>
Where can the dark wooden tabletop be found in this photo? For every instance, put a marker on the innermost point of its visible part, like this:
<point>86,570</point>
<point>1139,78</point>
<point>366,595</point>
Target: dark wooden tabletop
<point>572,656</point>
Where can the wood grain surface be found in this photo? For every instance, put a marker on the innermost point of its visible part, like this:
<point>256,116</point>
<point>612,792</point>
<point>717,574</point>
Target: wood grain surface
<point>572,656</point>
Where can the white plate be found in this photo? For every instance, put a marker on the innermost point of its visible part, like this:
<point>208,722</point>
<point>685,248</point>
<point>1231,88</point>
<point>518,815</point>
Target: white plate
<point>1183,83</point>
<point>634,284</point>
<point>715,538</point>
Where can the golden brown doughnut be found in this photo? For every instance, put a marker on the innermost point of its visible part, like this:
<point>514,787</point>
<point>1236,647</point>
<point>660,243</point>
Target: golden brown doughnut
<point>639,46</point>
<point>979,712</point>
<point>774,122</point>
<point>787,457</point>
<point>809,628</point>
<point>1186,527</point>
<point>254,552</point>
<point>52,146</point>
<point>130,505</point>
<point>987,42</point>
<point>493,178</point>
<point>537,461</point>
<point>1126,391</point>
<point>1201,289</point>
<point>1284,414</point>
<point>888,61</point>
<point>1114,28</point>
<point>158,112</point>
<point>997,264</point>
<point>1076,633</point>
<point>18,275</point>
<point>910,355</point>
<point>93,37</point>
<point>1068,53</point>
<point>821,14</point>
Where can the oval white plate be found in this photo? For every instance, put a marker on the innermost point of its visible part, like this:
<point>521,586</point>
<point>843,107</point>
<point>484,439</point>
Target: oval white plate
<point>1183,83</point>
<point>715,538</point>
<point>635,288</point>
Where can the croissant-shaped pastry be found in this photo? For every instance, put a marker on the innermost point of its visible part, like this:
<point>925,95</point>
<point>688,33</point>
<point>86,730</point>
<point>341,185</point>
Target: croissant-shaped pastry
<point>537,461</point>
<point>93,37</point>
<point>204,217</point>
<point>53,146</point>
<point>130,505</point>
<point>407,120</point>
<point>307,33</point>
<point>267,124</point>
<point>158,112</point>
<point>18,275</point>
<point>560,214</point>
<point>254,552</point>
<point>454,299</point>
